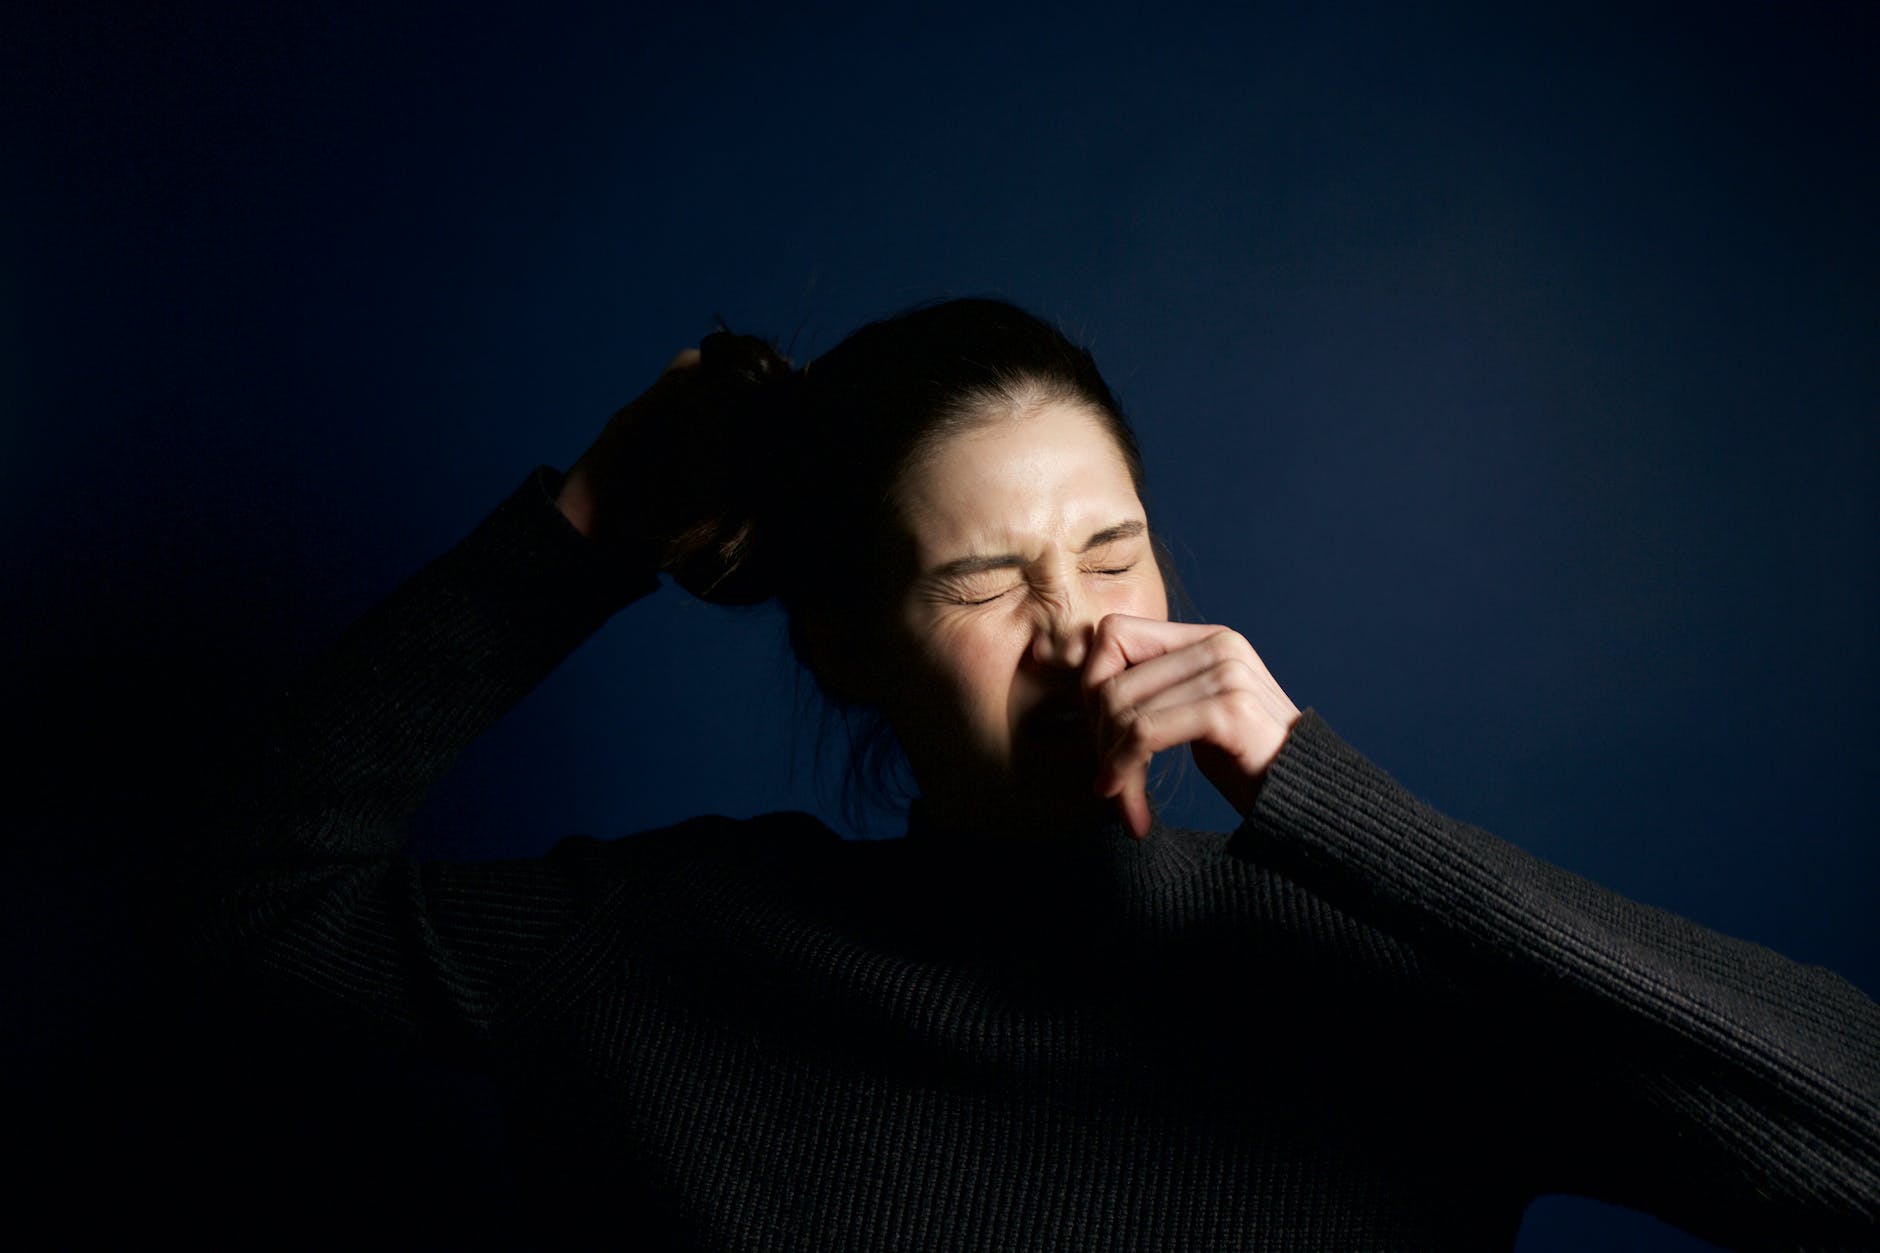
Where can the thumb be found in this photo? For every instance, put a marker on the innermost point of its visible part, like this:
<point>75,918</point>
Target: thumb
<point>1131,793</point>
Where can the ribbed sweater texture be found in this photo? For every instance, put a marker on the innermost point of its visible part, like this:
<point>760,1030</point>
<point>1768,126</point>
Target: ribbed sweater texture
<point>1352,1023</point>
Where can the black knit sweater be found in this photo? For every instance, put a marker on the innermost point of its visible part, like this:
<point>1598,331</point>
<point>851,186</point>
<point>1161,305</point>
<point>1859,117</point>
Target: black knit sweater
<point>1353,1023</point>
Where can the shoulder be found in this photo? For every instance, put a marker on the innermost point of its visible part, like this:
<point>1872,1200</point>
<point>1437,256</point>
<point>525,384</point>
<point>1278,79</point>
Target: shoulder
<point>1190,846</point>
<point>691,856</point>
<point>1265,915</point>
<point>702,841</point>
<point>715,892</point>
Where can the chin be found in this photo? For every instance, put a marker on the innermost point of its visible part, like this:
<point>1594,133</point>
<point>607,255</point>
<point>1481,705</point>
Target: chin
<point>1037,787</point>
<point>1054,802</point>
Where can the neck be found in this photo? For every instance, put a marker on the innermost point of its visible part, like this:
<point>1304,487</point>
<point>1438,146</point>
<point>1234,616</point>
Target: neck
<point>1021,823</point>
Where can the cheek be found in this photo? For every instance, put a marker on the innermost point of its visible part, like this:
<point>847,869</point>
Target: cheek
<point>1152,598</point>
<point>1145,599</point>
<point>1156,602</point>
<point>974,662</point>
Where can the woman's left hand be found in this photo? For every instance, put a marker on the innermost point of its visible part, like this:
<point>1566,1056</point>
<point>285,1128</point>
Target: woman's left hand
<point>1155,685</point>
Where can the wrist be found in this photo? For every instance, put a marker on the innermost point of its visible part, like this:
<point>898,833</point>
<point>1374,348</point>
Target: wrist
<point>599,520</point>
<point>576,500</point>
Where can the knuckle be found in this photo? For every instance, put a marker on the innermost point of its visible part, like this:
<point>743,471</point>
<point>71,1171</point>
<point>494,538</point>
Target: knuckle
<point>1225,674</point>
<point>1243,705</point>
<point>1217,716</point>
<point>1137,727</point>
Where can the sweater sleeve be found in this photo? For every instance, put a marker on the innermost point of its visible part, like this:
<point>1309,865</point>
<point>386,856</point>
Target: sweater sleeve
<point>1701,1078</point>
<point>308,889</point>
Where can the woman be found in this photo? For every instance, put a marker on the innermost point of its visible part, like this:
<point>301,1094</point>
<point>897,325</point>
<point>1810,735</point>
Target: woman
<point>1042,1020</point>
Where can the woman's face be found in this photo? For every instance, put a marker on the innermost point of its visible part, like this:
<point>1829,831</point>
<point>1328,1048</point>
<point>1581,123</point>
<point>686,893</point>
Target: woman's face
<point>1024,533</point>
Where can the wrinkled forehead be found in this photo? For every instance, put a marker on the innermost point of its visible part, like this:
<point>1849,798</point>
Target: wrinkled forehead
<point>1017,479</point>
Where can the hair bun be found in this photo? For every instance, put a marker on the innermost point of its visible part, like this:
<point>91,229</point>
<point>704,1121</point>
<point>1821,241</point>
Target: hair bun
<point>745,398</point>
<point>753,360</point>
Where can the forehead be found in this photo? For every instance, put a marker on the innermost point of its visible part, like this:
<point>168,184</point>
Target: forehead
<point>1037,474</point>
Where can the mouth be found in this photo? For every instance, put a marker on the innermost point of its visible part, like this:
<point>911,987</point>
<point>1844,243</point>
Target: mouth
<point>1058,720</point>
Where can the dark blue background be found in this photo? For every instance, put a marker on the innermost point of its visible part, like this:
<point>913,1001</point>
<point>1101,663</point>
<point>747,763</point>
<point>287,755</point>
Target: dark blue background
<point>1509,380</point>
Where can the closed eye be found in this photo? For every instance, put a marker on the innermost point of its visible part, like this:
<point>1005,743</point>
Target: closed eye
<point>980,600</point>
<point>957,596</point>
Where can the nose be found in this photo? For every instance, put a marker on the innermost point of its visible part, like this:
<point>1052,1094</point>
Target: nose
<point>1061,639</point>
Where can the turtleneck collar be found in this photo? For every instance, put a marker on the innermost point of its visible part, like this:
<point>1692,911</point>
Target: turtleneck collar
<point>1091,895</point>
<point>1097,853</point>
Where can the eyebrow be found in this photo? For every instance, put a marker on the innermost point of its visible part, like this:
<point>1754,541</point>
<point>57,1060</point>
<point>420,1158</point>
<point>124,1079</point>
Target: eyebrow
<point>1009,561</point>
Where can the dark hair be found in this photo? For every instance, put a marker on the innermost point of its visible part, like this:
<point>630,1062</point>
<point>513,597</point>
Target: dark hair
<point>824,449</point>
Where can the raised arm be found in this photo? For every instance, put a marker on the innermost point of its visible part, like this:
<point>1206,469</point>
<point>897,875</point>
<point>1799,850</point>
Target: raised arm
<point>308,887</point>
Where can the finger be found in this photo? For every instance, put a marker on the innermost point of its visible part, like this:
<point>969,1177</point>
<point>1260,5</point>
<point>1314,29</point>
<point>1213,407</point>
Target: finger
<point>1248,720</point>
<point>1210,681</point>
<point>670,382</point>
<point>1122,641</point>
<point>1134,802</point>
<point>1143,732</point>
<point>1118,724</point>
<point>1131,793</point>
<point>1221,652</point>
<point>1236,733</point>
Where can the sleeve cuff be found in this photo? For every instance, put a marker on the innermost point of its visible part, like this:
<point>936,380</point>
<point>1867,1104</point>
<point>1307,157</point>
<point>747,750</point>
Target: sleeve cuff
<point>529,533</point>
<point>1330,817</point>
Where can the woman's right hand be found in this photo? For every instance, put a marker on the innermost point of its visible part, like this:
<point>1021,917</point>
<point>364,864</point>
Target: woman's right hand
<point>612,494</point>
<point>673,480</point>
